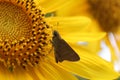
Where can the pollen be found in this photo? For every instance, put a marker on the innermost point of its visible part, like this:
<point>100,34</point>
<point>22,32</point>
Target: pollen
<point>25,37</point>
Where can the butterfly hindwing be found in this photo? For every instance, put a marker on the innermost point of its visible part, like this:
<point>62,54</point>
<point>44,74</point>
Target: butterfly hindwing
<point>62,50</point>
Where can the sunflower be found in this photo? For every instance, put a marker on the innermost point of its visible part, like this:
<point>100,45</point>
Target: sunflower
<point>26,48</point>
<point>104,15</point>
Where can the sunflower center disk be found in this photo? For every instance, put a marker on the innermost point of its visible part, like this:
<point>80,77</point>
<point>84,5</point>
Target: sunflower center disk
<point>14,23</point>
<point>24,35</point>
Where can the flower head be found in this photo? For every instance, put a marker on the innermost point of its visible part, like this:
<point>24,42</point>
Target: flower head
<point>107,14</point>
<point>24,34</point>
<point>104,18</point>
<point>26,48</point>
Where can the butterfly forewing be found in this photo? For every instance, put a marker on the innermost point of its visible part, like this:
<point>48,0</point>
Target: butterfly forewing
<point>62,50</point>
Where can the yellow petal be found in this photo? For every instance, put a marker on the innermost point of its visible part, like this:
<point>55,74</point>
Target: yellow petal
<point>114,56</point>
<point>78,7</point>
<point>93,46</point>
<point>38,2</point>
<point>69,23</point>
<point>90,66</point>
<point>101,79</point>
<point>77,36</point>
<point>20,74</point>
<point>66,25</point>
<point>35,74</point>
<point>52,72</point>
<point>53,5</point>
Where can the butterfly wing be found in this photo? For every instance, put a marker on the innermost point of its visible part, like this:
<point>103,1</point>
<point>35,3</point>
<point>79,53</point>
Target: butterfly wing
<point>62,50</point>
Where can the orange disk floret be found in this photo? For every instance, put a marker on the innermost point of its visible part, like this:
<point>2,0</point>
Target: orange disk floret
<point>24,35</point>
